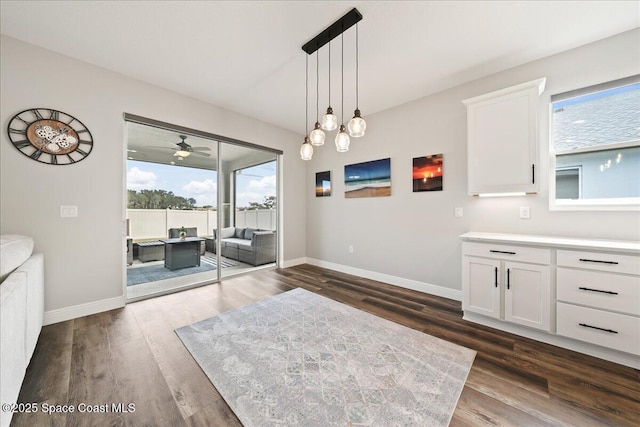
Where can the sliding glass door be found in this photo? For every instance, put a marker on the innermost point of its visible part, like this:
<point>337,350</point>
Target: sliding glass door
<point>182,186</point>
<point>248,192</point>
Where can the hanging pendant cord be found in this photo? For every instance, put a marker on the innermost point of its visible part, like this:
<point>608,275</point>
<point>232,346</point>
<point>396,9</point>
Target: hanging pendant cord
<point>306,95</point>
<point>317,89</point>
<point>342,108</point>
<point>329,74</point>
<point>357,70</point>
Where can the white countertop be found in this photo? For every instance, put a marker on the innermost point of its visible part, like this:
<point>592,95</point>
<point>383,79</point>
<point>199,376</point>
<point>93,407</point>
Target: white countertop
<point>628,246</point>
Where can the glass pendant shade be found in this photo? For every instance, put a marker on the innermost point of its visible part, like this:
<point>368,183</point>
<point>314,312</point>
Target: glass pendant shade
<point>357,125</point>
<point>317,136</point>
<point>329,120</point>
<point>306,150</point>
<point>342,140</point>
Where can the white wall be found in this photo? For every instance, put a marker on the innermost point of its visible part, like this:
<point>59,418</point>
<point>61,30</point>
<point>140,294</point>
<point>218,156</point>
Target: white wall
<point>412,238</point>
<point>84,263</point>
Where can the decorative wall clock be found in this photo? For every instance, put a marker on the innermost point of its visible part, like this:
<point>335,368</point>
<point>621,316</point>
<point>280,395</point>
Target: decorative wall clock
<point>50,136</point>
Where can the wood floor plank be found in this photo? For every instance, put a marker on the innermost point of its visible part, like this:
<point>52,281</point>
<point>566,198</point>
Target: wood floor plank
<point>133,354</point>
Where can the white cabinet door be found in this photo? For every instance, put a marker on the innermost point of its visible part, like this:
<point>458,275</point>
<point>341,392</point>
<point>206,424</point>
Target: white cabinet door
<point>527,297</point>
<point>481,286</point>
<point>502,139</point>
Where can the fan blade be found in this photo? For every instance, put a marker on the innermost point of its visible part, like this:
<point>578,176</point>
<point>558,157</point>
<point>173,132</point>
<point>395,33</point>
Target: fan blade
<point>197,153</point>
<point>163,148</point>
<point>200,148</point>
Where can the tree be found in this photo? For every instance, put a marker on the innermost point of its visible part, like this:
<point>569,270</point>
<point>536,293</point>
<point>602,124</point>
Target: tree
<point>269,202</point>
<point>158,199</point>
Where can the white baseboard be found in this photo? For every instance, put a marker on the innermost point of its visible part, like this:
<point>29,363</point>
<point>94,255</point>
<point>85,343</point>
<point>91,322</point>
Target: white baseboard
<point>73,312</point>
<point>615,356</point>
<point>293,262</point>
<point>402,282</point>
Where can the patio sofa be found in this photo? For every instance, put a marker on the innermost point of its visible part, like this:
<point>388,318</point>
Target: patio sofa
<point>21,313</point>
<point>249,245</point>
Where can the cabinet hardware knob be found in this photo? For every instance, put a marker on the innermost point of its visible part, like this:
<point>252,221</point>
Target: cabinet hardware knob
<point>598,261</point>
<point>611,331</point>
<point>597,290</point>
<point>501,252</point>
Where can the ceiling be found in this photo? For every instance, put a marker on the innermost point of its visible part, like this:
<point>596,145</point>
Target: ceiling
<point>158,145</point>
<point>247,56</point>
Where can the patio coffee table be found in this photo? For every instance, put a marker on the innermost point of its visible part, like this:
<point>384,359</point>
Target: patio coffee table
<point>182,253</point>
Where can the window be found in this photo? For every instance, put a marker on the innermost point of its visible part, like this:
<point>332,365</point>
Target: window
<point>596,146</point>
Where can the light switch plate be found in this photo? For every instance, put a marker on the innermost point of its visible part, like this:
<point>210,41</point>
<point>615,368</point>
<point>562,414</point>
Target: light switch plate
<point>525,212</point>
<point>458,212</point>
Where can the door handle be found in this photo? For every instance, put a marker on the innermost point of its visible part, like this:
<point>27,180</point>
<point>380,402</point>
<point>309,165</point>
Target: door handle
<point>496,277</point>
<point>508,278</point>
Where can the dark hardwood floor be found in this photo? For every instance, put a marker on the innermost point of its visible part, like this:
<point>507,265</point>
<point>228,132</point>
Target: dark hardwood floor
<point>132,355</point>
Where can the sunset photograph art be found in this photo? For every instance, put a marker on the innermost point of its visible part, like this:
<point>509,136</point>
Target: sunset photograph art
<point>427,173</point>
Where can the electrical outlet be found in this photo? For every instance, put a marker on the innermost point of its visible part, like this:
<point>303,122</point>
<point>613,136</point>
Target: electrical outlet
<point>458,212</point>
<point>525,212</point>
<point>350,249</point>
<point>68,211</point>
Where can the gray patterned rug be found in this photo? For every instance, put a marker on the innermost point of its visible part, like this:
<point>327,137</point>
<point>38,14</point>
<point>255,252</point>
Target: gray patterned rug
<point>300,359</point>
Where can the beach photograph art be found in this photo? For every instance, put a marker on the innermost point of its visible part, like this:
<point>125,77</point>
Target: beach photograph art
<point>427,173</point>
<point>368,179</point>
<point>323,184</point>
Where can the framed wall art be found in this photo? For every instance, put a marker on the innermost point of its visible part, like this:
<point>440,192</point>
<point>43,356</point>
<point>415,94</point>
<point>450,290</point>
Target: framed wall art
<point>323,184</point>
<point>368,179</point>
<point>427,173</point>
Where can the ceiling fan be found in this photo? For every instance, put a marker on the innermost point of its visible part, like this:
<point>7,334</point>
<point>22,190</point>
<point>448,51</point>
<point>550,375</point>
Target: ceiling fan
<point>183,149</point>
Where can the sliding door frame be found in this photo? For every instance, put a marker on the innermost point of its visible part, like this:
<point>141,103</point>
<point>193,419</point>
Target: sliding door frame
<point>219,139</point>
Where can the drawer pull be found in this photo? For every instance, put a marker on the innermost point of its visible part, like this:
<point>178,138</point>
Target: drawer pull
<point>598,290</point>
<point>611,331</point>
<point>501,252</point>
<point>598,261</point>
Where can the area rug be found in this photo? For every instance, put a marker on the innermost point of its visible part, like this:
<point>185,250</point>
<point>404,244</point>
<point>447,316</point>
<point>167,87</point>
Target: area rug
<point>214,261</point>
<point>300,359</point>
<point>153,273</point>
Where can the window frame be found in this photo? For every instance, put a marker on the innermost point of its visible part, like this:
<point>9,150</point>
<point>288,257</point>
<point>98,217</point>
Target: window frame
<point>609,204</point>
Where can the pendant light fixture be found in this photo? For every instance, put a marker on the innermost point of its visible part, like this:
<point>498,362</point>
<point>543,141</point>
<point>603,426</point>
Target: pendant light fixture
<point>317,135</point>
<point>329,120</point>
<point>357,125</point>
<point>342,138</point>
<point>306,150</point>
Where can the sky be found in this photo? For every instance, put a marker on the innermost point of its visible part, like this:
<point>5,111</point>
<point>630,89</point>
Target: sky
<point>253,184</point>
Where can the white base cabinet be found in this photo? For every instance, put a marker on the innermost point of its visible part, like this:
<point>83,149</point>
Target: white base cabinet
<point>577,293</point>
<point>527,295</point>
<point>513,291</point>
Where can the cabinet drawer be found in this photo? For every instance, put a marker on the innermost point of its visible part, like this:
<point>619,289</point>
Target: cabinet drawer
<point>614,263</point>
<point>599,290</point>
<point>507,252</point>
<point>616,331</point>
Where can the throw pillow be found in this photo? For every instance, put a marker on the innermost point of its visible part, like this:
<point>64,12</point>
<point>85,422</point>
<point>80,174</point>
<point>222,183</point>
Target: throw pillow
<point>240,233</point>
<point>248,233</point>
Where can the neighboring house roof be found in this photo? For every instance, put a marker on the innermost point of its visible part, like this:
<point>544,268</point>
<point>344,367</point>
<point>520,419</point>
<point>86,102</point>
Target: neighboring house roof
<point>591,121</point>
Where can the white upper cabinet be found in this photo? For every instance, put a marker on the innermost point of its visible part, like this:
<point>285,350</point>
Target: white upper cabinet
<point>502,140</point>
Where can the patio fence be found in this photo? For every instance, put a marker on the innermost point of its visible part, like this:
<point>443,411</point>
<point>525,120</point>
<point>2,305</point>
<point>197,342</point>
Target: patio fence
<point>145,224</point>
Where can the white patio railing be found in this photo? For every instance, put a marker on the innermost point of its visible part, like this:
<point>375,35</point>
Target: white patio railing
<point>147,224</point>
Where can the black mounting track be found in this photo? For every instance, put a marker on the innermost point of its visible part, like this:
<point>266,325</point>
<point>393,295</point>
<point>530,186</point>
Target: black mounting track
<point>334,30</point>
